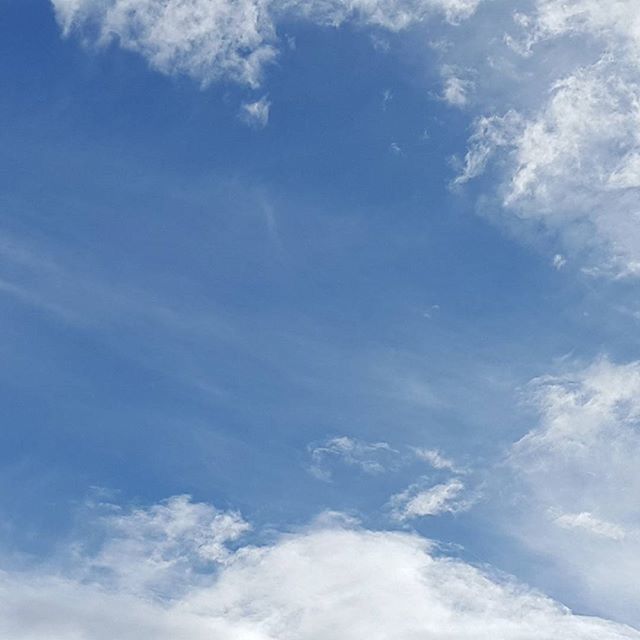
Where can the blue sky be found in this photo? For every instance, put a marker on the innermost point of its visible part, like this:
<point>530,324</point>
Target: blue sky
<point>359,278</point>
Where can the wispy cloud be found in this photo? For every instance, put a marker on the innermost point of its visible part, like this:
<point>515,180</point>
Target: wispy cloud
<point>256,114</point>
<point>229,39</point>
<point>577,482</point>
<point>370,457</point>
<point>373,457</point>
<point>418,501</point>
<point>568,154</point>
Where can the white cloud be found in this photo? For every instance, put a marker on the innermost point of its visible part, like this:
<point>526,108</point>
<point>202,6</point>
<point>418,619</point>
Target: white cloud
<point>616,21</point>
<point>164,547</point>
<point>229,39</point>
<point>394,15</point>
<point>333,580</point>
<point>559,261</point>
<point>573,165</point>
<point>256,114</point>
<point>205,39</point>
<point>580,482</point>
<point>490,134</point>
<point>589,522</point>
<point>456,89</point>
<point>569,156</point>
<point>370,457</point>
<point>437,460</point>
<point>417,502</point>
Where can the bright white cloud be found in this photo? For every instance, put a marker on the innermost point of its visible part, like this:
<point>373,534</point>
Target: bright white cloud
<point>233,39</point>
<point>333,580</point>
<point>579,470</point>
<point>417,502</point>
<point>163,548</point>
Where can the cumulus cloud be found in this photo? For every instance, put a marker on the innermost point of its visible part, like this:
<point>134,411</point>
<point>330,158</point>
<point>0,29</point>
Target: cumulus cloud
<point>580,483</point>
<point>211,40</point>
<point>162,548</point>
<point>332,580</point>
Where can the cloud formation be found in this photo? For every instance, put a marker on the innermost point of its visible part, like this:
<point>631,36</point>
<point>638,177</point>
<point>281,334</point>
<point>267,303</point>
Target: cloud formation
<point>571,161</point>
<point>210,40</point>
<point>331,580</point>
<point>370,457</point>
<point>579,481</point>
<point>256,114</point>
<point>418,501</point>
<point>373,457</point>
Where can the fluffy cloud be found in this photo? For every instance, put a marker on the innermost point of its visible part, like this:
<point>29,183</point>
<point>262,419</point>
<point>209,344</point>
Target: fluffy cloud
<point>164,548</point>
<point>205,39</point>
<point>575,164</point>
<point>332,580</point>
<point>580,483</point>
<point>570,160</point>
<point>228,39</point>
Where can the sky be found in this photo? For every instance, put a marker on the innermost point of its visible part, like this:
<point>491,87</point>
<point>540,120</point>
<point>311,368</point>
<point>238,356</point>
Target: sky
<point>319,319</point>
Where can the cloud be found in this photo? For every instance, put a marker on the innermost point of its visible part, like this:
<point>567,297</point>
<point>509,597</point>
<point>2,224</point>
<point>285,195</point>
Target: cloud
<point>333,579</point>
<point>204,39</point>
<point>616,22</point>
<point>570,160</point>
<point>456,90</point>
<point>210,40</point>
<point>373,457</point>
<point>370,457</point>
<point>589,522</point>
<point>559,261</point>
<point>578,483</point>
<point>417,502</point>
<point>163,548</point>
<point>437,460</point>
<point>256,114</point>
